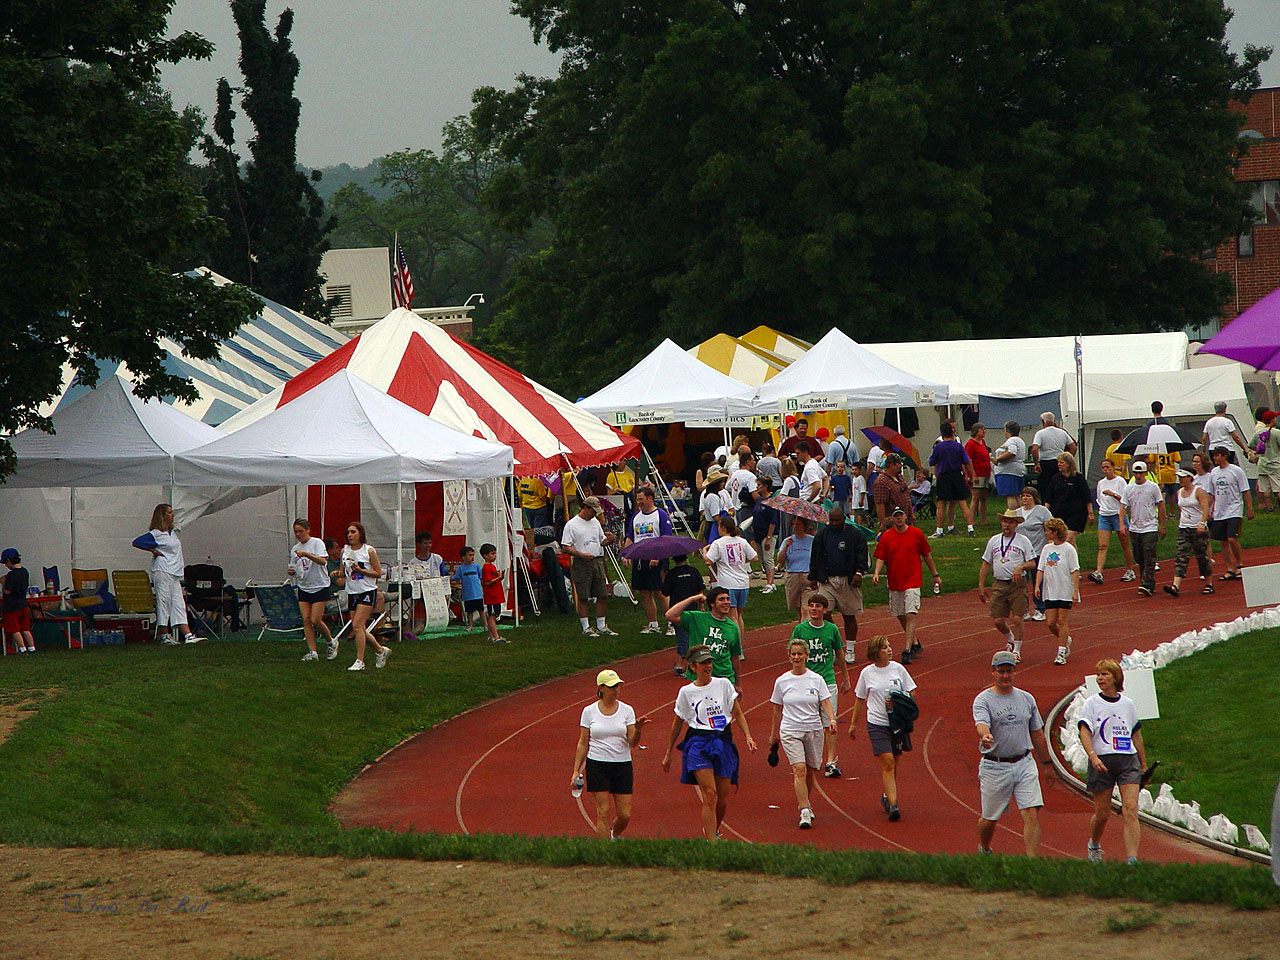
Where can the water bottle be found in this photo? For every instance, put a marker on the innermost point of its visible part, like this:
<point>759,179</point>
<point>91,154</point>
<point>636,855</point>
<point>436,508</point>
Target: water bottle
<point>578,783</point>
<point>48,586</point>
<point>937,588</point>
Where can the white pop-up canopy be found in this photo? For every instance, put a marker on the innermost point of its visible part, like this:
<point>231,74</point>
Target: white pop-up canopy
<point>343,431</point>
<point>839,373</point>
<point>107,437</point>
<point>669,386</point>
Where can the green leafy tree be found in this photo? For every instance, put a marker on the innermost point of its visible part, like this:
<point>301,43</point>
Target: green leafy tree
<point>98,206</point>
<point>901,170</point>
<point>277,230</point>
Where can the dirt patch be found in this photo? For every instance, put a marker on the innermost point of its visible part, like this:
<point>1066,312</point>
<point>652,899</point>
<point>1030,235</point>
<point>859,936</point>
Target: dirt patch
<point>16,706</point>
<point>104,904</point>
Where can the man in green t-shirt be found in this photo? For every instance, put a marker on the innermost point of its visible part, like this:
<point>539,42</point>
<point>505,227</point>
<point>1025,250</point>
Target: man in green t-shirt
<point>825,653</point>
<point>715,630</point>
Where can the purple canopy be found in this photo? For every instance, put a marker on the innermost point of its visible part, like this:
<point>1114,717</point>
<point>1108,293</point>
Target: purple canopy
<point>1253,337</point>
<point>660,548</point>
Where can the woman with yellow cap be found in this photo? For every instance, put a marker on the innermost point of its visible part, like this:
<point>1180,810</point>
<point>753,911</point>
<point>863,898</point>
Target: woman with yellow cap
<point>602,762</point>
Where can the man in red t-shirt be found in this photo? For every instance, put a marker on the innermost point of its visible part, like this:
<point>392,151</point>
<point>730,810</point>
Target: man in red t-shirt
<point>901,548</point>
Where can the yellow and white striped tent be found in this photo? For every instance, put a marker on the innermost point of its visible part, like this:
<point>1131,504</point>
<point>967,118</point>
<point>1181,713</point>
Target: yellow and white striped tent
<point>743,361</point>
<point>780,344</point>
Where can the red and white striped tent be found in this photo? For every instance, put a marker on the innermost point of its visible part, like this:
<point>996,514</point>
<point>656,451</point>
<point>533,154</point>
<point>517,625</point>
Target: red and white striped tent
<point>457,384</point>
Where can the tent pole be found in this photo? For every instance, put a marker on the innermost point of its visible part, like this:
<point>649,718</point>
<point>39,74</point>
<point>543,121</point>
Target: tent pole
<point>73,530</point>
<point>322,509</point>
<point>400,558</point>
<point>511,539</point>
<point>564,497</point>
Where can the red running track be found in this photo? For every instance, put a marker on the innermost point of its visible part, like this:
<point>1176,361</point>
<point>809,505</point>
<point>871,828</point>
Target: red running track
<point>504,767</point>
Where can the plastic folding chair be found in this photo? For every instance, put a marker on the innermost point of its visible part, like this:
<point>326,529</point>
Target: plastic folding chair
<point>279,605</point>
<point>135,599</point>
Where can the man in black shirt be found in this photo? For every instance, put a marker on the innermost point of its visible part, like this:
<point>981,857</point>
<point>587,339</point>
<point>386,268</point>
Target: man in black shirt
<point>836,566</point>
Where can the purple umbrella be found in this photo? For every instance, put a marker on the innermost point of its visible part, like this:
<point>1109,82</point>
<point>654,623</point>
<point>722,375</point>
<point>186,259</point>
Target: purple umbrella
<point>660,548</point>
<point>1253,337</point>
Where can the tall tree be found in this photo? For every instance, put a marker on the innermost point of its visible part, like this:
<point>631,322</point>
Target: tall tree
<point>277,230</point>
<point>902,170</point>
<point>98,205</point>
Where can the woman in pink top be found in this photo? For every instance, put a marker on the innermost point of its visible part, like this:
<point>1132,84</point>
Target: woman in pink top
<point>978,451</point>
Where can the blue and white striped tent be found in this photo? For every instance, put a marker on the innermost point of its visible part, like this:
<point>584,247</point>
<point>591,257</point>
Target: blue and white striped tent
<point>266,352</point>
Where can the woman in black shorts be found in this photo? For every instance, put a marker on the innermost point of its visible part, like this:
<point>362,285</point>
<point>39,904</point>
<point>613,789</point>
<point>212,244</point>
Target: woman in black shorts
<point>1110,735</point>
<point>609,729</point>
<point>309,567</point>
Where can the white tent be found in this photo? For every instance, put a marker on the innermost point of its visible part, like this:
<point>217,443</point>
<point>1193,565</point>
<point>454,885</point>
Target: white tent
<point>1123,401</point>
<point>1030,366</point>
<point>107,437</point>
<point>850,377</point>
<point>343,431</point>
<point>669,385</point>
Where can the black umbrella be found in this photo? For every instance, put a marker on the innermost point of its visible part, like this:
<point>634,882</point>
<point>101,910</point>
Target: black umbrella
<point>1155,438</point>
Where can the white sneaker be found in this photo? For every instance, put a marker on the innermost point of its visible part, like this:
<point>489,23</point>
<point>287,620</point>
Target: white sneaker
<point>671,629</point>
<point>309,656</point>
<point>331,650</point>
<point>380,658</point>
<point>590,632</point>
<point>605,632</point>
<point>192,638</point>
<point>1157,568</point>
<point>806,818</point>
<point>357,666</point>
<point>1128,577</point>
<point>850,656</point>
<point>1038,615</point>
<point>169,642</point>
<point>768,588</point>
<point>1061,659</point>
<point>936,535</point>
<point>1095,853</point>
<point>651,628</point>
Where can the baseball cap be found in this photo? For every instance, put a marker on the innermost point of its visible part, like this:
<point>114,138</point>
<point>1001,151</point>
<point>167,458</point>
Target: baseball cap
<point>9,555</point>
<point>897,510</point>
<point>592,503</point>
<point>608,678</point>
<point>1139,466</point>
<point>1185,473</point>
<point>699,653</point>
<point>1004,658</point>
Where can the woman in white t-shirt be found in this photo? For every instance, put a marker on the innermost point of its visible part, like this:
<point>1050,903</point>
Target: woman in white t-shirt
<point>1110,493</point>
<point>801,708</point>
<point>362,570</point>
<point>609,729</point>
<point>875,683</point>
<point>308,565</point>
<point>1110,735</point>
<point>1058,584</point>
<point>729,558</point>
<point>1034,516</point>
<point>167,568</point>
<point>1193,533</point>
<point>714,502</point>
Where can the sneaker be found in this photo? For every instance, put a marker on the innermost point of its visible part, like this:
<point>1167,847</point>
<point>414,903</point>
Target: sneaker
<point>1095,853</point>
<point>917,648</point>
<point>590,632</point>
<point>380,658</point>
<point>831,770</point>
<point>806,818</point>
<point>986,850</point>
<point>496,640</point>
<point>894,813</point>
<point>1128,577</point>
<point>605,632</point>
<point>1157,568</point>
<point>971,532</point>
<point>671,629</point>
<point>1096,577</point>
<point>1038,615</point>
<point>331,650</point>
<point>936,535</point>
<point>309,656</point>
<point>357,666</point>
<point>1132,860</point>
<point>192,638</point>
<point>1144,591</point>
<point>951,531</point>
<point>884,802</point>
<point>905,658</point>
<point>651,628</point>
<point>768,588</point>
<point>1061,659</point>
<point>169,642</point>
<point>678,671</point>
<point>851,656</point>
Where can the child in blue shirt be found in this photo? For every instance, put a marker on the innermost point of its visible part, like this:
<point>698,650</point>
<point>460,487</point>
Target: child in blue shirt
<point>467,573</point>
<point>841,487</point>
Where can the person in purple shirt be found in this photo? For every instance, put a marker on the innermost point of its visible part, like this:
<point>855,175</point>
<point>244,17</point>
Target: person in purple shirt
<point>955,473</point>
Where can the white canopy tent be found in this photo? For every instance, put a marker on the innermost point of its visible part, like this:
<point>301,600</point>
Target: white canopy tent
<point>850,377</point>
<point>1030,366</point>
<point>1123,401</point>
<point>669,385</point>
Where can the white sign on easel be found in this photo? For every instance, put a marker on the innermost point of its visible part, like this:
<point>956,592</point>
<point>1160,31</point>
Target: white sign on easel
<point>455,509</point>
<point>1139,686</point>
<point>435,603</point>
<point>1261,585</point>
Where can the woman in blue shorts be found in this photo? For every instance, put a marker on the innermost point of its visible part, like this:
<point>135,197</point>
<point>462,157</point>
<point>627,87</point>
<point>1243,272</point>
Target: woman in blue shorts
<point>709,706</point>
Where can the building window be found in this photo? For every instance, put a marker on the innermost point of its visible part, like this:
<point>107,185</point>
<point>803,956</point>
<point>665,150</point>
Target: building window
<point>339,297</point>
<point>1244,244</point>
<point>1264,198</point>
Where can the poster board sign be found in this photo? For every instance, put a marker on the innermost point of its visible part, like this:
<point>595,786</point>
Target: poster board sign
<point>1261,585</point>
<point>1139,686</point>
<point>640,418</point>
<point>815,401</point>
<point>455,509</point>
<point>435,603</point>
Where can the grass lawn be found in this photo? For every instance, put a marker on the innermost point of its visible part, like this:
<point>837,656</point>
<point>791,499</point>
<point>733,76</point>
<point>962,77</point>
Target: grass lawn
<point>233,747</point>
<point>1217,741</point>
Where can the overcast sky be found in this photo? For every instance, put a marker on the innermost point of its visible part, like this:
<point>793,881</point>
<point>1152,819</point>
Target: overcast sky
<point>381,76</point>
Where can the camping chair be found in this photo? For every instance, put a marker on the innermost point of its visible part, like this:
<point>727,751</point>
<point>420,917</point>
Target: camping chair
<point>134,597</point>
<point>50,576</point>
<point>91,597</point>
<point>203,585</point>
<point>279,605</point>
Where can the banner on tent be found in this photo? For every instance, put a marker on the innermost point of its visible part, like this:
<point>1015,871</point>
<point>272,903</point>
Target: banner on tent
<point>922,398</point>
<point>770,421</point>
<point>455,509</point>
<point>640,418</point>
<point>815,402</point>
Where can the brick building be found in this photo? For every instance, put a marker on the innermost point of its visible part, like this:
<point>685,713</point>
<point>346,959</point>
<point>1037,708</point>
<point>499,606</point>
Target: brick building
<point>1253,259</point>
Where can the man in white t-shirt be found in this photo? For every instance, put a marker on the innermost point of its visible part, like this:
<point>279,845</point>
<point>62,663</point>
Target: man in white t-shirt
<point>1220,430</point>
<point>1144,505</point>
<point>1049,443</point>
<point>1231,502</point>
<point>744,478</point>
<point>584,539</point>
<point>1009,557</point>
<point>648,522</point>
<point>813,479</point>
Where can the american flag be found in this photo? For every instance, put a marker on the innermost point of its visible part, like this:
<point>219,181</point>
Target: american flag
<point>401,281</point>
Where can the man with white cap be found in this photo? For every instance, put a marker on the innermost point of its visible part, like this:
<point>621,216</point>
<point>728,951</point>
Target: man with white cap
<point>584,539</point>
<point>1144,506</point>
<point>1010,729</point>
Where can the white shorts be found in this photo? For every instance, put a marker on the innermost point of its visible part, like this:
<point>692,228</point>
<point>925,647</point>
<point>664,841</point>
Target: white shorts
<point>834,690</point>
<point>1002,782</point>
<point>802,746</point>
<point>903,602</point>
<point>171,606</point>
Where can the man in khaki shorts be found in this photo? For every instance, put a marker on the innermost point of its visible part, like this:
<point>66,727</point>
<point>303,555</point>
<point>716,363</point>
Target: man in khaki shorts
<point>584,539</point>
<point>836,566</point>
<point>1009,556</point>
